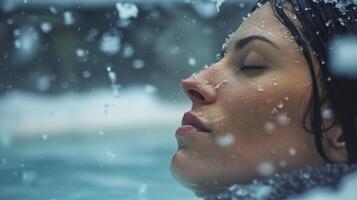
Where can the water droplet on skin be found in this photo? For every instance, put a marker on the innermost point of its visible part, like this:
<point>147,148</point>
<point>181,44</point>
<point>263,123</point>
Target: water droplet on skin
<point>286,98</point>
<point>225,140</point>
<point>260,88</point>
<point>292,152</point>
<point>195,76</point>
<point>220,83</point>
<point>274,111</point>
<point>283,119</point>
<point>269,127</point>
<point>283,163</point>
<point>280,105</point>
<point>265,169</point>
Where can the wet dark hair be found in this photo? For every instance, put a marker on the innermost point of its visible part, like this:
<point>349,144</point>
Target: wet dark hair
<point>321,21</point>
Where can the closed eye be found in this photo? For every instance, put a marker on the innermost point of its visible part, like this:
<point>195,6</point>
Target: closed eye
<point>251,70</point>
<point>251,67</point>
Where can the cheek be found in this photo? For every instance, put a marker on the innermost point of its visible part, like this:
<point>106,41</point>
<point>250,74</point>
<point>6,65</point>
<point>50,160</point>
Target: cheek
<point>265,104</point>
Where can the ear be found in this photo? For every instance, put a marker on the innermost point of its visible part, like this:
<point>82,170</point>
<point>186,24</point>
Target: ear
<point>333,143</point>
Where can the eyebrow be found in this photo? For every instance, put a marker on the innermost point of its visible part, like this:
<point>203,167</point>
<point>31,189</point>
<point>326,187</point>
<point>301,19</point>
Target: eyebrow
<point>245,41</point>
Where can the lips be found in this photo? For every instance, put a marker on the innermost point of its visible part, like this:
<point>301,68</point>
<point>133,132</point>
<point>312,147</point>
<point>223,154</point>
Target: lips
<point>190,119</point>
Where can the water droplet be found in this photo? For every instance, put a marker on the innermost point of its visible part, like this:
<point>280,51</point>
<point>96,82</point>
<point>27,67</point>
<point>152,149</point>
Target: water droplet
<point>280,105</point>
<point>81,52</point>
<point>328,23</point>
<point>128,51</point>
<point>195,76</point>
<point>260,88</point>
<point>53,10</point>
<point>220,83</point>
<point>44,136</point>
<point>327,113</point>
<point>112,76</point>
<point>283,119</point>
<point>225,140</point>
<point>138,64</point>
<point>110,42</point>
<point>150,89</point>
<point>68,18</point>
<point>266,169</point>
<point>343,56</point>
<point>29,177</point>
<point>292,152</point>
<point>46,27</point>
<point>269,127</point>
<point>127,10</point>
<point>191,61</point>
<point>142,190</point>
<point>242,192</point>
<point>274,110</point>
<point>111,155</point>
<point>86,74</point>
<point>283,163</point>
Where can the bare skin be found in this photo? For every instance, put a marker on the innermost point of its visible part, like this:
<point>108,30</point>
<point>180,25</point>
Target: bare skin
<point>256,96</point>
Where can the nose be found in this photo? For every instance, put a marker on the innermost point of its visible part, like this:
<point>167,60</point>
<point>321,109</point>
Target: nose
<point>199,90</point>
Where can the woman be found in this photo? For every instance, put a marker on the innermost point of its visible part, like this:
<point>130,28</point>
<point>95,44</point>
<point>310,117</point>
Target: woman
<point>271,110</point>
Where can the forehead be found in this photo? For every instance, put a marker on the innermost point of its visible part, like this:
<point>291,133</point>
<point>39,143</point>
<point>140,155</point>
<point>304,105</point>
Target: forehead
<point>263,22</point>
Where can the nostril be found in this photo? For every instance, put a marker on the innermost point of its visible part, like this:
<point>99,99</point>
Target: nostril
<point>196,94</point>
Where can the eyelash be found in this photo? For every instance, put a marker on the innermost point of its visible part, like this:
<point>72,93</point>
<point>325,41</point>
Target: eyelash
<point>221,55</point>
<point>251,67</point>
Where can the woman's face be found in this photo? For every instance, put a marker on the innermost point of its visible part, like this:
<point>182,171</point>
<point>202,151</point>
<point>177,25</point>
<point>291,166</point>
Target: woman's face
<point>251,105</point>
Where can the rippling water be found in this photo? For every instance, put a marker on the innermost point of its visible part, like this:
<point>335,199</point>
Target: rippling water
<point>116,164</point>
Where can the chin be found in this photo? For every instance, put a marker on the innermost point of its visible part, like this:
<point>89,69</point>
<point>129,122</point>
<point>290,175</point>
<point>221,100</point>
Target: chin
<point>195,175</point>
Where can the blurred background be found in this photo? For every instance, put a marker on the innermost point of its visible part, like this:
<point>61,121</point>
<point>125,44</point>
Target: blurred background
<point>90,96</point>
